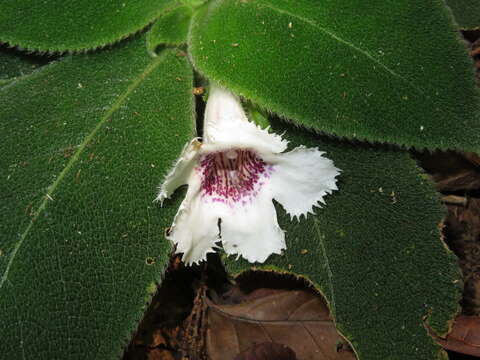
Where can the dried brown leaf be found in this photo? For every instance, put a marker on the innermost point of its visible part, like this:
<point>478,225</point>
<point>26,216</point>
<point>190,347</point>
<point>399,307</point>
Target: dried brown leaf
<point>298,319</point>
<point>158,339</point>
<point>267,351</point>
<point>464,337</point>
<point>160,354</point>
<point>463,237</point>
<point>452,171</point>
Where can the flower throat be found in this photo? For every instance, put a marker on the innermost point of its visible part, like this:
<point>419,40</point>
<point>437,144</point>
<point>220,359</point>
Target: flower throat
<point>232,176</point>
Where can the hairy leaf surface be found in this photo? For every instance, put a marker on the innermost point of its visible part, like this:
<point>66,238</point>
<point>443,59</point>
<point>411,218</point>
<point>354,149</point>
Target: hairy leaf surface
<point>374,251</point>
<point>171,28</point>
<point>14,64</point>
<point>85,143</point>
<point>58,25</point>
<point>467,13</point>
<point>387,71</point>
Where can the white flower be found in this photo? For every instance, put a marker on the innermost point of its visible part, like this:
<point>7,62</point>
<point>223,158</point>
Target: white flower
<point>232,178</point>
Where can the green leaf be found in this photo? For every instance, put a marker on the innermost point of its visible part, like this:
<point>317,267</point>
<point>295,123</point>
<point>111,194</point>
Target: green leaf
<point>56,25</point>
<point>374,251</point>
<point>466,12</point>
<point>14,64</point>
<point>387,71</point>
<point>193,3</point>
<point>171,28</point>
<point>86,142</point>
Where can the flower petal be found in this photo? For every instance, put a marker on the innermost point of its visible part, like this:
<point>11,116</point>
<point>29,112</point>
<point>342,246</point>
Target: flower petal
<point>227,126</point>
<point>252,230</point>
<point>181,171</point>
<point>195,228</point>
<point>301,178</point>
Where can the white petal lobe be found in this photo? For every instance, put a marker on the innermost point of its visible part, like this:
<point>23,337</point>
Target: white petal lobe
<point>301,180</point>
<point>181,171</point>
<point>252,230</point>
<point>195,227</point>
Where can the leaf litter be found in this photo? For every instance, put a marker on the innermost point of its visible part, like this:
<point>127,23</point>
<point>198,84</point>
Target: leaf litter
<point>297,319</point>
<point>457,178</point>
<point>260,316</point>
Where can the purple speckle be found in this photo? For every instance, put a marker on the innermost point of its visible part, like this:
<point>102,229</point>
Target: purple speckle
<point>232,176</point>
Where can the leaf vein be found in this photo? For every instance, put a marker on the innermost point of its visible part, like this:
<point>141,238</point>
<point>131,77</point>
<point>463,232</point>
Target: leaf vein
<point>74,158</point>
<point>347,43</point>
<point>327,264</point>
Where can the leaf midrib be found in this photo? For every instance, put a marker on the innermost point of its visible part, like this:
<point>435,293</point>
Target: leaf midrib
<point>321,240</point>
<point>345,42</point>
<point>75,157</point>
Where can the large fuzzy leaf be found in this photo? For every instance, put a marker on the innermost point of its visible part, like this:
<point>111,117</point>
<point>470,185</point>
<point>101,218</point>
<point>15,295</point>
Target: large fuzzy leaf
<point>374,251</point>
<point>57,25</point>
<point>467,13</point>
<point>171,29</point>
<point>14,64</point>
<point>388,71</point>
<point>85,143</point>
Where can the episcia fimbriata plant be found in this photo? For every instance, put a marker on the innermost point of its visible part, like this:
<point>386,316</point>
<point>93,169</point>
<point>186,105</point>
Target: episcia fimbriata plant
<point>87,139</point>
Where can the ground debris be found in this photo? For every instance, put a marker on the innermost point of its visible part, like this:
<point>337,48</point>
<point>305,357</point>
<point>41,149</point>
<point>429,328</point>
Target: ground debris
<point>271,323</point>
<point>159,335</point>
<point>267,351</point>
